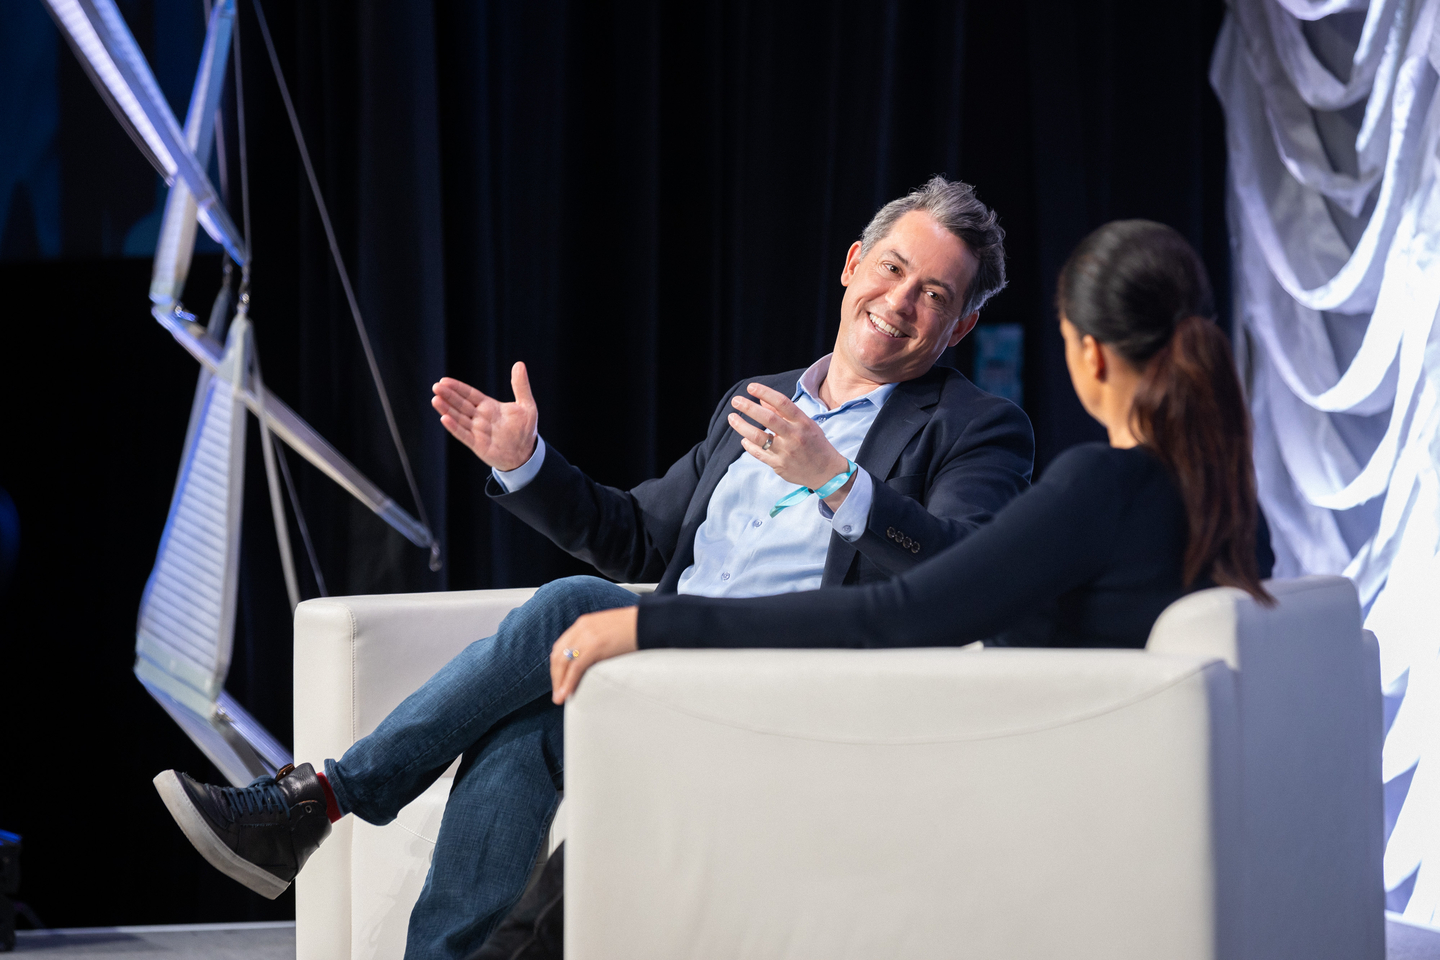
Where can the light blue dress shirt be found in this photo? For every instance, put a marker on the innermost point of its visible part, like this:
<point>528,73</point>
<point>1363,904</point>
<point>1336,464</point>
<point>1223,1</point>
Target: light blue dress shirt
<point>742,551</point>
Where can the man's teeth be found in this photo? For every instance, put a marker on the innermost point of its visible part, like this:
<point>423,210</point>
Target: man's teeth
<point>884,327</point>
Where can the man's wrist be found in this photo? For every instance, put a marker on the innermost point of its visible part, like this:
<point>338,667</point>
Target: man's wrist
<point>512,481</point>
<point>840,465</point>
<point>838,497</point>
<point>851,517</point>
<point>522,461</point>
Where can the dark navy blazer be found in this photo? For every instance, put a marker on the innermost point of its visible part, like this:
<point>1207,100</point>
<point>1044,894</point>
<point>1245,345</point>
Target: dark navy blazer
<point>944,455</point>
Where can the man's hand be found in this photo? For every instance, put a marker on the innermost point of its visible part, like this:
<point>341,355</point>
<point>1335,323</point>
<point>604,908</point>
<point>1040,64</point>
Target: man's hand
<point>501,434</point>
<point>594,637</point>
<point>799,450</point>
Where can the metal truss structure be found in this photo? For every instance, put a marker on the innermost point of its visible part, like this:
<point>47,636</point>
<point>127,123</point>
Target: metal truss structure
<point>185,629</point>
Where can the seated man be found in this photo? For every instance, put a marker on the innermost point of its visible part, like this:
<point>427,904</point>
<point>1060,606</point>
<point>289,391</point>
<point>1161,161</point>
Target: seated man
<point>904,458</point>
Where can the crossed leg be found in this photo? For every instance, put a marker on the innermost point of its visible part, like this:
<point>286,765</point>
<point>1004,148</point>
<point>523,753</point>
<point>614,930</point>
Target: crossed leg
<point>495,822</point>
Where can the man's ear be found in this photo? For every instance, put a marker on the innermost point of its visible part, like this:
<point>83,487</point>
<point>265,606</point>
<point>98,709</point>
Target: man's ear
<point>852,263</point>
<point>963,327</point>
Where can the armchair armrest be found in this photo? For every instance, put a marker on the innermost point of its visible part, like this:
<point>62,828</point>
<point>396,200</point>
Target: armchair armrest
<point>356,658</point>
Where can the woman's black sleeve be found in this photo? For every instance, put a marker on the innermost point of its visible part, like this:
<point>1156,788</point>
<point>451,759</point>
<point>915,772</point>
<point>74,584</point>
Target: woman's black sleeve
<point>1051,538</point>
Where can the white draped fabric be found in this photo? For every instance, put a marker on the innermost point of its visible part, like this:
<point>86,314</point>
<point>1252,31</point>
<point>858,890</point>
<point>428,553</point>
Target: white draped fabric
<point>1333,123</point>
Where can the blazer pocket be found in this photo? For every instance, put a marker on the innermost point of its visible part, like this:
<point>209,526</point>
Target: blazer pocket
<point>912,485</point>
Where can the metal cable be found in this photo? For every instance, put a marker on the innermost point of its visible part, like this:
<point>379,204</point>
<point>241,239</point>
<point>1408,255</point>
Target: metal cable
<point>245,299</point>
<point>244,161</point>
<point>299,517</point>
<point>222,164</point>
<point>277,509</point>
<point>345,283</point>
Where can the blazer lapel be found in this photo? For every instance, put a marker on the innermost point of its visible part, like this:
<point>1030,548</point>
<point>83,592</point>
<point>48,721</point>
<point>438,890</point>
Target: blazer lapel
<point>904,415</point>
<point>727,451</point>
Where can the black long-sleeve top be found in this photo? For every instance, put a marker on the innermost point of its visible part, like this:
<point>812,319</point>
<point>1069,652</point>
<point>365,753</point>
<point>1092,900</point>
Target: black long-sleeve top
<point>1088,557</point>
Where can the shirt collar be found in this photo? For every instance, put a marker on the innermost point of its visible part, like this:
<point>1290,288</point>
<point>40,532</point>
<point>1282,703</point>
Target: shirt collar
<point>810,380</point>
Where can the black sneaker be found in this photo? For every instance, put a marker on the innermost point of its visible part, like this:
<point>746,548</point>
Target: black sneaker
<point>260,835</point>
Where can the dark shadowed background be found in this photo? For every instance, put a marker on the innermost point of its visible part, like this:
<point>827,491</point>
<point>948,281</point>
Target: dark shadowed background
<point>645,201</point>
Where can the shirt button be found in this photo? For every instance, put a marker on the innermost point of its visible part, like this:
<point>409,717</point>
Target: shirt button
<point>757,523</point>
<point>845,529</point>
<point>724,576</point>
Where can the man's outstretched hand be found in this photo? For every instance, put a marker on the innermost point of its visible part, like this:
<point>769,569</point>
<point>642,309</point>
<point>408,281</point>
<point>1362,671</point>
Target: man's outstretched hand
<point>501,434</point>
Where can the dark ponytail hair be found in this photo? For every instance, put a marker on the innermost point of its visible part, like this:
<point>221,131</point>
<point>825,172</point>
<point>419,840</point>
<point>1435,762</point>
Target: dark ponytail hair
<point>1139,287</point>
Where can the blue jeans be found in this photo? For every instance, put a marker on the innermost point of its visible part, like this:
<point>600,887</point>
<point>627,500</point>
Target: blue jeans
<point>491,706</point>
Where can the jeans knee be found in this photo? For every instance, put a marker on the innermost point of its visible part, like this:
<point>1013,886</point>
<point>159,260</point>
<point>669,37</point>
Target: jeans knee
<point>570,590</point>
<point>582,583</point>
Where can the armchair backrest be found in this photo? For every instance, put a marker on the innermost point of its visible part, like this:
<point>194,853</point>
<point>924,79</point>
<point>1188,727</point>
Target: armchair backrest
<point>1308,693</point>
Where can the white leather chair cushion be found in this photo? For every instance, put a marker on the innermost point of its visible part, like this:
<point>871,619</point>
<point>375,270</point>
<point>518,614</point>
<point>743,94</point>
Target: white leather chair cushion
<point>388,866</point>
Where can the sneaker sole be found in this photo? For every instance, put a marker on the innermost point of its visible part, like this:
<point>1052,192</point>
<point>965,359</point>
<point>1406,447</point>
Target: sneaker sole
<point>209,845</point>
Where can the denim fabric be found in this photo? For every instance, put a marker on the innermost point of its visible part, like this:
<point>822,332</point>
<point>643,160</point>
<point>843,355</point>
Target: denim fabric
<point>491,705</point>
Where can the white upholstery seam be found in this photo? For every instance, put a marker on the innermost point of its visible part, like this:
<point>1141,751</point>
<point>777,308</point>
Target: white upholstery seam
<point>921,741</point>
<point>354,660</point>
<point>418,836</point>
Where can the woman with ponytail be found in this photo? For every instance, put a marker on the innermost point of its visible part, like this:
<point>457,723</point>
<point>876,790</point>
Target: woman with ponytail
<point>1134,297</point>
<point>1088,557</point>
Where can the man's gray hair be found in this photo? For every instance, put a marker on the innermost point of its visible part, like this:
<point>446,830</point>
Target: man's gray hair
<point>955,207</point>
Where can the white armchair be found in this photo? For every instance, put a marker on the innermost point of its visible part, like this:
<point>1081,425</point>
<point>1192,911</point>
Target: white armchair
<point>356,658</point>
<point>1214,796</point>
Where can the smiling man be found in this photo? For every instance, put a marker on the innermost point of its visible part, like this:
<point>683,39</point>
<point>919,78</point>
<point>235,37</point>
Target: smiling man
<point>850,471</point>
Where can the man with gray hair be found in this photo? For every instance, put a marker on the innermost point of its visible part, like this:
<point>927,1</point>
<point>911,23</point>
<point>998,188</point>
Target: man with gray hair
<point>901,457</point>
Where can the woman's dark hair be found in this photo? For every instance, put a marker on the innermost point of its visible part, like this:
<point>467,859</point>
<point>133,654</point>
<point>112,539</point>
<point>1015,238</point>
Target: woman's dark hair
<point>1139,287</point>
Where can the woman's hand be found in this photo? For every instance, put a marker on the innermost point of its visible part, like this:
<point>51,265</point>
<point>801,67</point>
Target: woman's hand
<point>798,450</point>
<point>592,638</point>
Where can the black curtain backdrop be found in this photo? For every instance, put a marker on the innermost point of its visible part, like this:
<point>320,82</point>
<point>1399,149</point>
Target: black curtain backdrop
<point>644,201</point>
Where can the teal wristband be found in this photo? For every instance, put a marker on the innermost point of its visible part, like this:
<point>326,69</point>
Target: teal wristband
<point>837,481</point>
<point>799,494</point>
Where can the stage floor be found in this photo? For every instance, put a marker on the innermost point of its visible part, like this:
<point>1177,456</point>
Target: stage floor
<point>201,941</point>
<point>276,941</point>
<point>1405,942</point>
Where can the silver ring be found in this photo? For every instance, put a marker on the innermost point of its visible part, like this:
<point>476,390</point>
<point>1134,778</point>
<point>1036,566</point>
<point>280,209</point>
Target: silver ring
<point>570,654</point>
<point>769,439</point>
